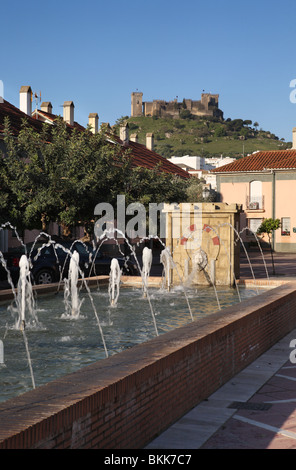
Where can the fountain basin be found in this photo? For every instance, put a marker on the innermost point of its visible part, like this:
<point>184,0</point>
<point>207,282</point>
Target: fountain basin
<point>61,341</point>
<point>125,400</point>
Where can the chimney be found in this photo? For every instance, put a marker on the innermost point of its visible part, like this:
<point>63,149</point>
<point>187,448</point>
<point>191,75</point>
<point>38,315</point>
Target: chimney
<point>124,134</point>
<point>26,100</point>
<point>134,138</point>
<point>150,141</point>
<point>294,138</point>
<point>46,106</point>
<point>93,121</point>
<point>69,112</point>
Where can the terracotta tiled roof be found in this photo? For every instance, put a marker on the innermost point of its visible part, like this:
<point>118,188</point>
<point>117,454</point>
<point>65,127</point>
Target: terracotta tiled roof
<point>53,117</point>
<point>259,161</point>
<point>143,157</point>
<point>15,118</point>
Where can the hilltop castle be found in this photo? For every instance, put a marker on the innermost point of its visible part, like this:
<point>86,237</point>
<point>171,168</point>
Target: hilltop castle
<point>207,106</point>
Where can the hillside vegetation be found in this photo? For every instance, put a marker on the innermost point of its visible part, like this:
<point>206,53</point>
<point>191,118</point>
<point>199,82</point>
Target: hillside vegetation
<point>207,137</point>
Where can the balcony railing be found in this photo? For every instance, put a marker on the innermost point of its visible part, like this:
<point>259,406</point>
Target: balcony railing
<point>255,203</point>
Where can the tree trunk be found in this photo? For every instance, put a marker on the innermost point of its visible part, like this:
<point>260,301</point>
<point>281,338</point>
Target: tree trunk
<point>271,252</point>
<point>66,231</point>
<point>43,222</point>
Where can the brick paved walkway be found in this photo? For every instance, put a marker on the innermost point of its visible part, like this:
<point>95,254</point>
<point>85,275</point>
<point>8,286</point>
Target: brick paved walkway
<point>270,421</point>
<point>257,408</point>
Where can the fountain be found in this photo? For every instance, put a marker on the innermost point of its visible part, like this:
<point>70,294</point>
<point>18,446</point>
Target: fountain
<point>71,290</point>
<point>147,263</point>
<point>25,304</point>
<point>114,282</point>
<point>174,366</point>
<point>130,321</point>
<point>165,259</point>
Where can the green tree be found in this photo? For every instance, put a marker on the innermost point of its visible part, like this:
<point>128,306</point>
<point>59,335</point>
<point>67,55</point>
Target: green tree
<point>268,227</point>
<point>186,114</point>
<point>220,131</point>
<point>195,191</point>
<point>61,175</point>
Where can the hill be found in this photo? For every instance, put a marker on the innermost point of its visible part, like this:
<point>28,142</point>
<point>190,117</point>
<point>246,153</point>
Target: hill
<point>207,137</point>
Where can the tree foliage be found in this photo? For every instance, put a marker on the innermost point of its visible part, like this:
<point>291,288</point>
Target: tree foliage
<point>268,226</point>
<point>61,176</point>
<point>195,192</point>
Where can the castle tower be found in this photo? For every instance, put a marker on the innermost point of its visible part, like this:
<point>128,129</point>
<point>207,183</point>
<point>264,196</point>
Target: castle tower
<point>137,104</point>
<point>208,99</point>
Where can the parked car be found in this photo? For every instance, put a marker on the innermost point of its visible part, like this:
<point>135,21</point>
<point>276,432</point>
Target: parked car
<point>50,262</point>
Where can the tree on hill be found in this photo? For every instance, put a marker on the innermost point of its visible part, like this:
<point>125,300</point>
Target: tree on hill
<point>220,131</point>
<point>186,114</point>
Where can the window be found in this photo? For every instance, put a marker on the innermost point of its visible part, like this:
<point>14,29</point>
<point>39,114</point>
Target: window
<point>285,226</point>
<point>255,201</point>
<point>253,225</point>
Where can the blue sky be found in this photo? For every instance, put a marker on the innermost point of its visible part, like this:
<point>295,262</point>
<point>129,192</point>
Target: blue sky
<point>96,53</point>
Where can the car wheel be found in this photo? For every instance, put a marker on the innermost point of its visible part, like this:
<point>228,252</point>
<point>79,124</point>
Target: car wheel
<point>44,277</point>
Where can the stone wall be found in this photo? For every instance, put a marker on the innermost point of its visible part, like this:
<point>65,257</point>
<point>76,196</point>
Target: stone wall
<point>202,238</point>
<point>208,105</point>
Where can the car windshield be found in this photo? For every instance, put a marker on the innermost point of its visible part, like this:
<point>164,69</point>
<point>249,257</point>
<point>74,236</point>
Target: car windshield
<point>81,248</point>
<point>28,246</point>
<point>61,248</point>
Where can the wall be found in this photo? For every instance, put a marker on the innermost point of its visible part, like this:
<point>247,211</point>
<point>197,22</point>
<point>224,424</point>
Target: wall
<point>201,238</point>
<point>136,104</point>
<point>235,188</point>
<point>285,207</point>
<point>125,401</point>
<point>207,106</point>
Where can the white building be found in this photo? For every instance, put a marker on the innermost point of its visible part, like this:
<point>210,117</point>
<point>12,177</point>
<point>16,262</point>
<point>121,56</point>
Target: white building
<point>201,167</point>
<point>189,163</point>
<point>219,161</point>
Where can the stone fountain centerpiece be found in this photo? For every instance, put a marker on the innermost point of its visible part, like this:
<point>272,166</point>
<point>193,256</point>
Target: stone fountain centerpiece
<point>202,240</point>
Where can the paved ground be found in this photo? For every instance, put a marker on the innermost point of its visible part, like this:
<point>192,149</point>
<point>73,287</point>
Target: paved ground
<point>284,265</point>
<point>256,409</point>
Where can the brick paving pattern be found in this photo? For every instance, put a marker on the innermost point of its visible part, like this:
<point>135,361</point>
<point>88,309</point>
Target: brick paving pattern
<point>272,427</point>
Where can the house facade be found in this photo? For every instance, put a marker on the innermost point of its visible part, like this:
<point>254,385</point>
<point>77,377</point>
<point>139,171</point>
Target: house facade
<point>265,184</point>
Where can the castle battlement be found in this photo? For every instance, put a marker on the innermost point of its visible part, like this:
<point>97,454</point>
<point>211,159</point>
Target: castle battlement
<point>208,105</point>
